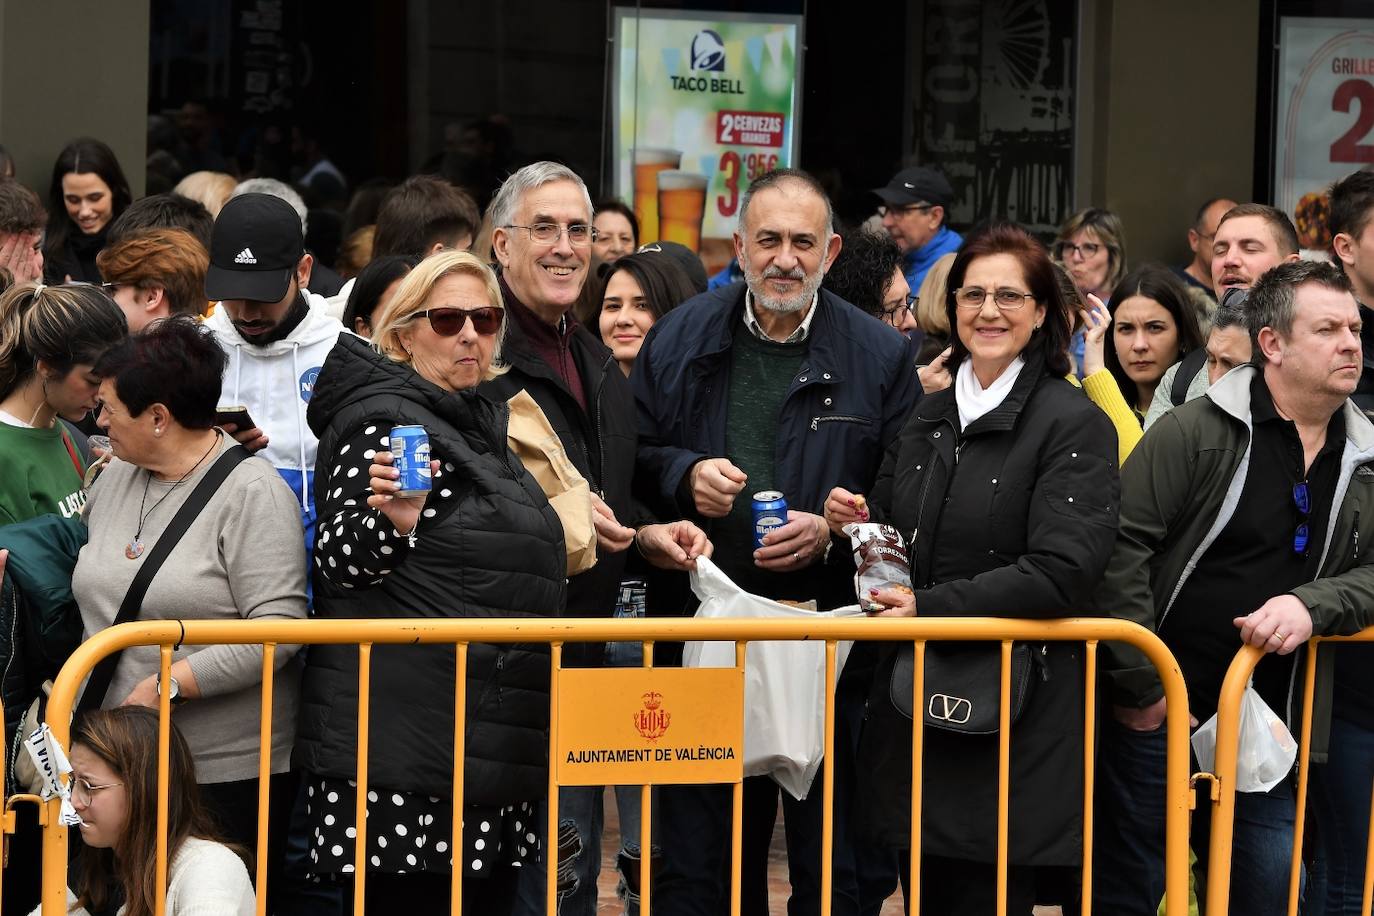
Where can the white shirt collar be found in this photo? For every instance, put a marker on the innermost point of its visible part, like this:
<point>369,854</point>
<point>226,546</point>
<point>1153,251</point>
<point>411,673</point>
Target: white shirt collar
<point>751,320</point>
<point>972,399</point>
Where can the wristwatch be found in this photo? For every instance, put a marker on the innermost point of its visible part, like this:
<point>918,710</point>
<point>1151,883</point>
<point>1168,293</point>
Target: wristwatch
<point>175,693</point>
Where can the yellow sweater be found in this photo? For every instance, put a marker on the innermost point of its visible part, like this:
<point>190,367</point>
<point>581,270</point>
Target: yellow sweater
<point>1103,391</point>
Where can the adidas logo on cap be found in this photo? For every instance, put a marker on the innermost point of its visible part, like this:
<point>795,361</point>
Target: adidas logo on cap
<point>245,257</point>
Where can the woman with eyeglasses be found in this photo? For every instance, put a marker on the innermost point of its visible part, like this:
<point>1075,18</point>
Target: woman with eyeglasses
<point>1007,484</point>
<point>483,542</point>
<point>114,758</point>
<point>1092,247</point>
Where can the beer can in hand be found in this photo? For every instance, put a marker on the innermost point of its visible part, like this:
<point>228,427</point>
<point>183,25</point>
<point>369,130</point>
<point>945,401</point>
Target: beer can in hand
<point>410,447</point>
<point>770,513</point>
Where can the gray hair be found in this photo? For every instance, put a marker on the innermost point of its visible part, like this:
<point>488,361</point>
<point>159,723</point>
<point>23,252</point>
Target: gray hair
<point>534,175</point>
<point>778,176</point>
<point>277,189</point>
<point>1229,316</point>
<point>1273,300</point>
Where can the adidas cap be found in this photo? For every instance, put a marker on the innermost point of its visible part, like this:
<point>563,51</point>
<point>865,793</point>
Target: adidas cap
<point>254,249</point>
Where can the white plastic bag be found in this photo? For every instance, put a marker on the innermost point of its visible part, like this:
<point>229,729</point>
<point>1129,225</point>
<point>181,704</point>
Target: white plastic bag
<point>784,682</point>
<point>1267,749</point>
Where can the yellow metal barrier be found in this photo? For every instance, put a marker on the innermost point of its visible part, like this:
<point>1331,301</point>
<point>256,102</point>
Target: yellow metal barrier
<point>1228,751</point>
<point>555,632</point>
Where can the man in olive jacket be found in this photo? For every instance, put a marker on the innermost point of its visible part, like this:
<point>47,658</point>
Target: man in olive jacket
<point>1242,514</point>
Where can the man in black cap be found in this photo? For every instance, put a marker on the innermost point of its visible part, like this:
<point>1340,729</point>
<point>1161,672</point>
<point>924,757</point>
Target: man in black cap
<point>274,331</point>
<point>913,212</point>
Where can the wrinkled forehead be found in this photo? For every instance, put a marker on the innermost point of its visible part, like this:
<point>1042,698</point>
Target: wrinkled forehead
<point>788,208</point>
<point>558,201</point>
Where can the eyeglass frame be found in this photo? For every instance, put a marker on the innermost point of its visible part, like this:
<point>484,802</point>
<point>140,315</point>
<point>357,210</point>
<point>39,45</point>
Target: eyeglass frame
<point>908,306</point>
<point>1080,250</point>
<point>884,209</point>
<point>592,234</point>
<point>993,293</point>
<point>82,785</point>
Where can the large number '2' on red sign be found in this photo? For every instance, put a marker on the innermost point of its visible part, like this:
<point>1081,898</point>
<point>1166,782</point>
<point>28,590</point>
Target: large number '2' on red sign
<point>1348,147</point>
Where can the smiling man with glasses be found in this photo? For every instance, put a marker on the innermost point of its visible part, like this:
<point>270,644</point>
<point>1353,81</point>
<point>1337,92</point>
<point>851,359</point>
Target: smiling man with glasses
<point>915,204</point>
<point>1240,524</point>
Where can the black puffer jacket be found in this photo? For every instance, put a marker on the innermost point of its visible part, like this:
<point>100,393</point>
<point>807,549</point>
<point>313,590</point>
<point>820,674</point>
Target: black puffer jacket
<point>1012,517</point>
<point>496,550</point>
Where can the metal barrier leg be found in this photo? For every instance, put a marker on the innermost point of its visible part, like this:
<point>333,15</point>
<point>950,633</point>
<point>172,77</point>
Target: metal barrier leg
<point>737,819</point>
<point>551,828</point>
<point>1304,774</point>
<point>360,841</point>
<point>1089,771</point>
<point>164,736</point>
<point>269,652</point>
<point>460,701</point>
<point>918,739</point>
<point>1004,780</point>
<point>646,835</point>
<point>828,792</point>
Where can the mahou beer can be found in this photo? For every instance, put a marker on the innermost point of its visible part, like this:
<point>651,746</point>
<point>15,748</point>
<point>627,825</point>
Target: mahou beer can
<point>770,513</point>
<point>410,446</point>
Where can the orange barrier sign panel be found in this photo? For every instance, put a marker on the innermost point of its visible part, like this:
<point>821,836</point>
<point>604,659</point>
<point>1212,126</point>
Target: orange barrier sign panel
<point>649,726</point>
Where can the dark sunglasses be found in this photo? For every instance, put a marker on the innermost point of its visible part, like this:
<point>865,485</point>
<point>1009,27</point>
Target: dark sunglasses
<point>1303,500</point>
<point>447,322</point>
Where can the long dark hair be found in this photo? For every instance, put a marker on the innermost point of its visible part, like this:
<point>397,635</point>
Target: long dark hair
<point>664,283</point>
<point>83,156</point>
<point>125,739</point>
<point>372,281</point>
<point>1051,342</point>
<point>1153,281</point>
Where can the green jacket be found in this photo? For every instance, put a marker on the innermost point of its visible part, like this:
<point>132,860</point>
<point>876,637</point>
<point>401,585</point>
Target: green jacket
<point>1179,489</point>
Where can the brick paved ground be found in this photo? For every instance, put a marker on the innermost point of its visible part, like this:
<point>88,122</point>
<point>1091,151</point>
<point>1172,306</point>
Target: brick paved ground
<point>609,904</point>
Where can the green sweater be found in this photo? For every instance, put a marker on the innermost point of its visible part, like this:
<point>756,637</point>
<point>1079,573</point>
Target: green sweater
<point>40,475</point>
<point>761,373</point>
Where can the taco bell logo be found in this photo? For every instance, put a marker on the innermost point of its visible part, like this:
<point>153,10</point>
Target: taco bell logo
<point>708,52</point>
<point>307,385</point>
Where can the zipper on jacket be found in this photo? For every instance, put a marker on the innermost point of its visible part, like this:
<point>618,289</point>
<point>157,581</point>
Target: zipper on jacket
<point>837,418</point>
<point>1357,534</point>
<point>600,429</point>
<point>19,735</point>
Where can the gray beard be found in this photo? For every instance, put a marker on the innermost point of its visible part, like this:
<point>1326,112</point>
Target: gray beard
<point>783,306</point>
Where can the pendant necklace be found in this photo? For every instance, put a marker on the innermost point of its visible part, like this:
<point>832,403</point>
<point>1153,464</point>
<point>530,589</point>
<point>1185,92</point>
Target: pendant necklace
<point>134,549</point>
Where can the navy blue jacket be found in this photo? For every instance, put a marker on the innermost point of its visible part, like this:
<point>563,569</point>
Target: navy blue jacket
<point>848,402</point>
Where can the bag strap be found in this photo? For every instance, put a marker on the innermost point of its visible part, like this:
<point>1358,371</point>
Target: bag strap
<point>71,453</point>
<point>103,673</point>
<point>1188,368</point>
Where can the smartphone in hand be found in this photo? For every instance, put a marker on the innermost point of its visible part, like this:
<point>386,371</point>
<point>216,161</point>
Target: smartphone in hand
<point>237,415</point>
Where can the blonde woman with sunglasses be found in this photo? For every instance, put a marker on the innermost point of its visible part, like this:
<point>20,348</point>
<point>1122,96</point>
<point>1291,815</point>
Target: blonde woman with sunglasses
<point>482,542</point>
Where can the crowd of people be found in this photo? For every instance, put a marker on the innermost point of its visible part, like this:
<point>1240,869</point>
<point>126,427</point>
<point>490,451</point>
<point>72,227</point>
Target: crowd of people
<point>1052,429</point>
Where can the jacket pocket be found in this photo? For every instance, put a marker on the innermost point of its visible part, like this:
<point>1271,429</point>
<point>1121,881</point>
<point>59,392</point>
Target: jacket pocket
<point>818,423</point>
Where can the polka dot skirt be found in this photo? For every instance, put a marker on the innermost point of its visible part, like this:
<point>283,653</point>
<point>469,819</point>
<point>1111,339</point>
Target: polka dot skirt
<point>356,547</point>
<point>410,833</point>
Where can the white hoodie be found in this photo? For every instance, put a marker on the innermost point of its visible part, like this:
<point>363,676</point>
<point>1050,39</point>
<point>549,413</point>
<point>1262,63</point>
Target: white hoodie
<point>275,383</point>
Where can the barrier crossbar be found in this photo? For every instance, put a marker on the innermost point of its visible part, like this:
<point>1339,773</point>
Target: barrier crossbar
<point>555,632</point>
<point>1228,753</point>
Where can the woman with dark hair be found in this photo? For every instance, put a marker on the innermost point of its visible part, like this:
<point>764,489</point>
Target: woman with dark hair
<point>373,289</point>
<point>868,273</point>
<point>1152,325</point>
<point>238,559</point>
<point>617,231</point>
<point>114,762</point>
<point>1007,483</point>
<point>88,192</point>
<point>50,338</point>
<point>639,289</point>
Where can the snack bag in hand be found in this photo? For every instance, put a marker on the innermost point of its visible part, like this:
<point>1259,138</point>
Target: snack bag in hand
<point>880,555</point>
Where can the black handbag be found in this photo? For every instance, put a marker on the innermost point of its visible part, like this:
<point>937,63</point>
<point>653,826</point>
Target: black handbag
<point>963,684</point>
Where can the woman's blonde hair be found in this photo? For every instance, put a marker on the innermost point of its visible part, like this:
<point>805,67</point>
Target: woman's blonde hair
<point>931,316</point>
<point>212,189</point>
<point>414,292</point>
<point>62,326</point>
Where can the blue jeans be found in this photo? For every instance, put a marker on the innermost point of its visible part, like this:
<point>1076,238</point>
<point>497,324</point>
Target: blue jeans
<point>1340,796</point>
<point>1128,854</point>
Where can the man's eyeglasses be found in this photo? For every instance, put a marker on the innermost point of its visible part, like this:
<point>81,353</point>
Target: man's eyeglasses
<point>579,234</point>
<point>1303,500</point>
<point>447,322</point>
<point>896,316</point>
<point>1086,251</point>
<point>83,791</point>
<point>1006,298</point>
<point>902,211</point>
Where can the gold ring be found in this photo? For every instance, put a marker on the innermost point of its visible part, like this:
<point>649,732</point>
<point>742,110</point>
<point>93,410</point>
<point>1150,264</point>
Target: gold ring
<point>1281,636</point>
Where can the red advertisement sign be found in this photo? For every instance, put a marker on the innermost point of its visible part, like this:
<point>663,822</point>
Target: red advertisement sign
<point>749,128</point>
